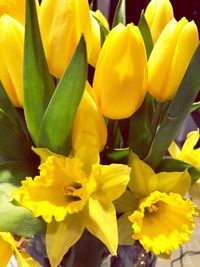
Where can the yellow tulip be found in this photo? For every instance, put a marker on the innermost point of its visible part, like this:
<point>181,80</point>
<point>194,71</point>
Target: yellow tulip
<point>61,23</point>
<point>11,54</point>
<point>121,72</point>
<point>170,58</point>
<point>89,128</point>
<point>15,9</point>
<point>96,35</point>
<point>158,14</point>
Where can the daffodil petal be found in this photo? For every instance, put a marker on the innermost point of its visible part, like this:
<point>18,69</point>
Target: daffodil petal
<point>43,153</point>
<point>100,220</point>
<point>190,142</point>
<point>140,174</point>
<point>125,230</point>
<point>174,150</point>
<point>176,182</point>
<point>6,248</point>
<point>61,236</point>
<point>24,259</point>
<point>109,181</point>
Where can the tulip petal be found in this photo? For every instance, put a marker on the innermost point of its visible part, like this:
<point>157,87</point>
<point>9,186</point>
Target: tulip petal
<point>100,220</point>
<point>60,237</point>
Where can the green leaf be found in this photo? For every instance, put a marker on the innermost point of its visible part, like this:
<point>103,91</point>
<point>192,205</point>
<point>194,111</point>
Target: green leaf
<point>140,135</point>
<point>103,30</point>
<point>195,106</point>
<point>57,122</point>
<point>173,165</point>
<point>146,34</point>
<point>14,172</point>
<point>38,83</point>
<point>14,144</point>
<point>120,13</point>
<point>6,105</point>
<point>16,219</point>
<point>177,111</point>
<point>119,154</point>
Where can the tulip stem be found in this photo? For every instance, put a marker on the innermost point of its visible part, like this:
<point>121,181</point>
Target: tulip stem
<point>156,118</point>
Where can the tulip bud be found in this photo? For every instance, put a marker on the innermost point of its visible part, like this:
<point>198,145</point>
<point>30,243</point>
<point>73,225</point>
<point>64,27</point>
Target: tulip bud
<point>170,58</point>
<point>89,133</point>
<point>96,35</point>
<point>158,14</point>
<point>11,54</point>
<point>15,9</point>
<point>121,72</point>
<point>61,23</point>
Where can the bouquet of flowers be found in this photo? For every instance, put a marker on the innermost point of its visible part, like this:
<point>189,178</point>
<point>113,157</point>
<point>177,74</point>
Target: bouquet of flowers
<point>88,117</point>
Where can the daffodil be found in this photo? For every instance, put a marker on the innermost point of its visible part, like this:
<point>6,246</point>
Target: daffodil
<point>10,246</point>
<point>64,192</point>
<point>190,155</point>
<point>161,219</point>
<point>120,79</point>
<point>158,14</point>
<point>170,58</point>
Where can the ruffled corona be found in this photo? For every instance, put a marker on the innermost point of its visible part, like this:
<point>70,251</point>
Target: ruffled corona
<point>163,222</point>
<point>58,190</point>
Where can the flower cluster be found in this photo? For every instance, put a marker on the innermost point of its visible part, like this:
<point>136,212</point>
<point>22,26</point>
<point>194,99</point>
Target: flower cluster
<point>87,149</point>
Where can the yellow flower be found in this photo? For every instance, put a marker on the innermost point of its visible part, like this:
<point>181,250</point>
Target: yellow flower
<point>158,14</point>
<point>89,125</point>
<point>61,23</point>
<point>96,35</point>
<point>170,58</point>
<point>15,9</point>
<point>121,72</point>
<point>11,54</point>
<point>189,155</point>
<point>163,222</point>
<point>153,199</point>
<point>66,192</point>
<point>9,246</point>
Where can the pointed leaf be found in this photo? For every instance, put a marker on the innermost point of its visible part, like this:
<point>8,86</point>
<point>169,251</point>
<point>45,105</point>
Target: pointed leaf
<point>177,111</point>
<point>56,125</point>
<point>16,219</point>
<point>140,135</point>
<point>146,34</point>
<point>195,106</point>
<point>120,13</point>
<point>6,104</point>
<point>14,172</point>
<point>13,143</point>
<point>38,83</point>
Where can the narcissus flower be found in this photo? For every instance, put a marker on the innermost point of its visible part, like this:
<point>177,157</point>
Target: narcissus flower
<point>65,190</point>
<point>155,199</point>
<point>190,155</point>
<point>121,72</point>
<point>170,58</point>
<point>11,54</point>
<point>10,246</point>
<point>61,23</point>
<point>163,222</point>
<point>158,14</point>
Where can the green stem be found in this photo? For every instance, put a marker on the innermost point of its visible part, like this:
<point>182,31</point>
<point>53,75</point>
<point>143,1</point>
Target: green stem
<point>156,118</point>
